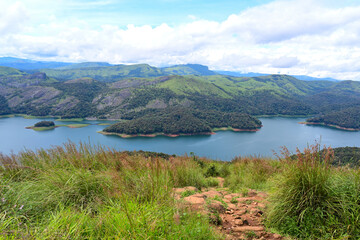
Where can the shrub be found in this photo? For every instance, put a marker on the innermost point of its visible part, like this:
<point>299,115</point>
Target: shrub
<point>311,200</point>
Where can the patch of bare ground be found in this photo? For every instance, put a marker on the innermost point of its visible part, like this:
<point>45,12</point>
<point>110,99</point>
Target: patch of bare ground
<point>235,215</point>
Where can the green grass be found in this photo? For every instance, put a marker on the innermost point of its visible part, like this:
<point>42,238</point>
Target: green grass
<point>90,192</point>
<point>42,128</point>
<point>251,172</point>
<point>185,85</point>
<point>77,125</point>
<point>69,120</point>
<point>312,200</point>
<point>87,192</point>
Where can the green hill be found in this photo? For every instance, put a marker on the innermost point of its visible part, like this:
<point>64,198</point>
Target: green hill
<point>348,118</point>
<point>6,71</point>
<point>188,69</point>
<point>106,74</point>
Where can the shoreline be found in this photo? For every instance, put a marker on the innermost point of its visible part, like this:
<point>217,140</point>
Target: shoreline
<point>152,135</point>
<point>331,126</point>
<point>41,128</point>
<point>178,135</point>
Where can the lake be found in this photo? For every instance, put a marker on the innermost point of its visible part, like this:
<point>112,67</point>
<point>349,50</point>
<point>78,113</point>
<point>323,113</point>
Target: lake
<point>223,145</point>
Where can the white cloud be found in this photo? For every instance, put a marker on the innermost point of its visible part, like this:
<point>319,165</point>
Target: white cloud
<point>291,37</point>
<point>12,18</point>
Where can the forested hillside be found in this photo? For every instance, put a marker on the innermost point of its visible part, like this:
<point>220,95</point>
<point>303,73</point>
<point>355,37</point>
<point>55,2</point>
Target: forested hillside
<point>137,91</point>
<point>347,118</point>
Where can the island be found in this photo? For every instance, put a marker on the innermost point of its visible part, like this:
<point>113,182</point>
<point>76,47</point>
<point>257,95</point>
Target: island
<point>49,125</point>
<point>182,121</point>
<point>43,126</point>
<point>347,119</point>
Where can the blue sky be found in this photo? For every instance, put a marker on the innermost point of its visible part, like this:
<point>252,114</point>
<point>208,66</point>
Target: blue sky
<point>320,38</point>
<point>137,12</point>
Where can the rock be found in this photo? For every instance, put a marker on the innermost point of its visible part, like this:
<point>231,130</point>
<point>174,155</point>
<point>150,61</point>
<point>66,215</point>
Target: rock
<point>231,206</point>
<point>229,197</point>
<point>229,211</point>
<point>255,212</point>
<point>248,228</point>
<point>277,236</point>
<point>212,194</point>
<point>216,206</point>
<point>196,199</point>
<point>241,212</point>
<point>239,222</point>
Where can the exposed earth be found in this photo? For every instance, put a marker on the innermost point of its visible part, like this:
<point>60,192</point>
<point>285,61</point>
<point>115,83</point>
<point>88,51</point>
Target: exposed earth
<point>235,215</point>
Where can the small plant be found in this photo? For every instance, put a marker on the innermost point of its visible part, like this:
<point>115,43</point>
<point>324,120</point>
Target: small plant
<point>245,192</point>
<point>251,235</point>
<point>198,161</point>
<point>248,202</point>
<point>187,193</point>
<point>212,171</point>
<point>214,218</point>
<point>212,182</point>
<point>234,200</point>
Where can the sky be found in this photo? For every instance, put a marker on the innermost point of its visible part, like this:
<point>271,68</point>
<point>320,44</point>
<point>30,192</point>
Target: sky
<point>319,38</point>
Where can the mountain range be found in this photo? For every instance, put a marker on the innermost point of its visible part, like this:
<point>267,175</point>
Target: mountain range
<point>101,90</point>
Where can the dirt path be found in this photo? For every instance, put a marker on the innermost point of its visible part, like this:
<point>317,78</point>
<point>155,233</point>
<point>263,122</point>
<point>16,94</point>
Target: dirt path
<point>236,215</point>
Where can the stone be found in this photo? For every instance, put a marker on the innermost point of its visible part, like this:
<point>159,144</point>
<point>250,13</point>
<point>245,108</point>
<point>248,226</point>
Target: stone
<point>239,222</point>
<point>212,194</point>
<point>217,206</point>
<point>196,199</point>
<point>248,228</point>
<point>277,236</point>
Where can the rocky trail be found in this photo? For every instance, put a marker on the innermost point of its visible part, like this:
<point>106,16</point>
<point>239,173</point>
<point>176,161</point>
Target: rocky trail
<point>236,215</point>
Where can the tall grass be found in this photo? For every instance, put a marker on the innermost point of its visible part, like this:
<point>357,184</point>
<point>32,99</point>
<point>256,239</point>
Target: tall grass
<point>251,172</point>
<point>311,200</point>
<point>90,192</point>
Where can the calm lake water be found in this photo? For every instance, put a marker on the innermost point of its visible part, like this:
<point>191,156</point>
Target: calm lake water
<point>224,145</point>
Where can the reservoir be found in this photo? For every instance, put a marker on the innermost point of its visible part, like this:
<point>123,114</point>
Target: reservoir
<point>224,145</point>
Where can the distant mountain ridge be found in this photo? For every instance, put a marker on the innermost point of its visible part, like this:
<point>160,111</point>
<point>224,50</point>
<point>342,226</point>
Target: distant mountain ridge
<point>68,71</point>
<point>252,74</point>
<point>26,64</point>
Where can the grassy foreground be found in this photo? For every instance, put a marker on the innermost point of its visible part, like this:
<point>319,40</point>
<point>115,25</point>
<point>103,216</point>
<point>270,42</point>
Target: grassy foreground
<point>89,192</point>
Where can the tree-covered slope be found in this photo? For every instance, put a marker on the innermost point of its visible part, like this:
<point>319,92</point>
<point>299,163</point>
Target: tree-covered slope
<point>347,118</point>
<point>183,121</point>
<point>132,96</point>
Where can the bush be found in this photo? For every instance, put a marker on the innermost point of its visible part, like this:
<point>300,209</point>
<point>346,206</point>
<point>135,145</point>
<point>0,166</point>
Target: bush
<point>311,200</point>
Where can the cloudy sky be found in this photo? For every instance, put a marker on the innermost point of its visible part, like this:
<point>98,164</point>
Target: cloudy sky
<point>320,38</point>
